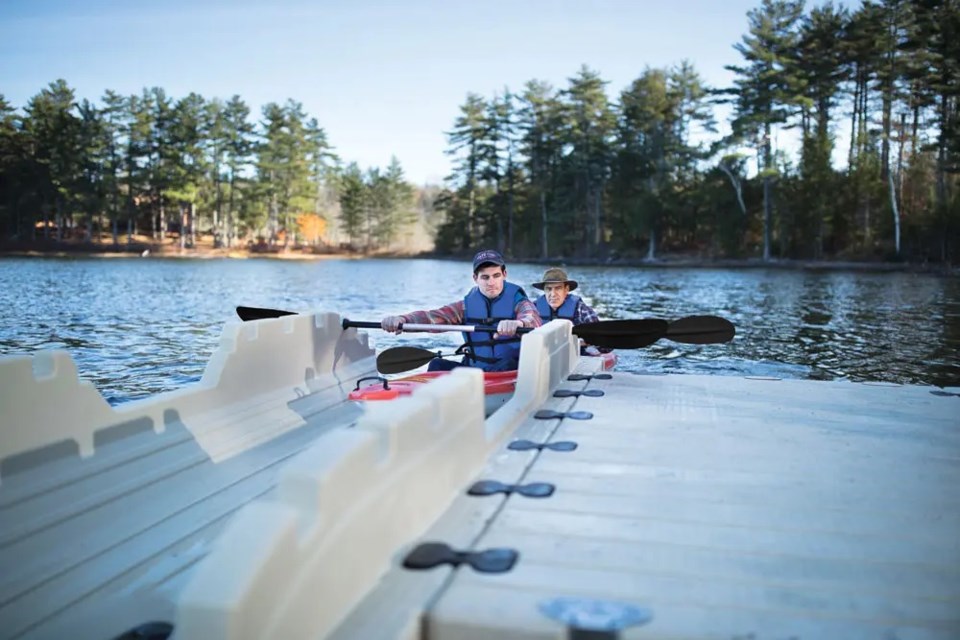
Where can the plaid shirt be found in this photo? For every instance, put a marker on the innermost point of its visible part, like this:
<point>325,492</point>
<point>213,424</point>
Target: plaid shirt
<point>584,314</point>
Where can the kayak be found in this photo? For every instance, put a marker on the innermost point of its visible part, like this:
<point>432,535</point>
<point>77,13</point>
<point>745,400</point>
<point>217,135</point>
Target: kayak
<point>498,385</point>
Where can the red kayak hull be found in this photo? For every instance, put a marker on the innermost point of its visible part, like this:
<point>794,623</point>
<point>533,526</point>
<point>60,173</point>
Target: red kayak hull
<point>498,386</point>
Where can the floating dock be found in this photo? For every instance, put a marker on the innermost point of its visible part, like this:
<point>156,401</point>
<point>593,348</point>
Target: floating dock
<point>259,503</point>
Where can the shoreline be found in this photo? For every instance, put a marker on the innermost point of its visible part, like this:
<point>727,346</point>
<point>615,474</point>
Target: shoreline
<point>685,262</point>
<point>665,262</point>
<point>187,255</point>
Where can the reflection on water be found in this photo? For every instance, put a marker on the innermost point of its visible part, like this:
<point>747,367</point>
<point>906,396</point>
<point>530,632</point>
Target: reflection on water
<point>137,327</point>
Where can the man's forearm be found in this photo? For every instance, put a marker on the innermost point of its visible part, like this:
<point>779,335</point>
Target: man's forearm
<point>448,314</point>
<point>526,312</point>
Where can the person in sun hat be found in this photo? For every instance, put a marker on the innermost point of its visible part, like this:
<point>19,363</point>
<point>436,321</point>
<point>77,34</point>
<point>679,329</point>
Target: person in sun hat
<point>558,302</point>
<point>493,301</point>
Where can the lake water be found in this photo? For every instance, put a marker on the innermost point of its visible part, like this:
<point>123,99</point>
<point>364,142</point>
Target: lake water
<point>141,326</point>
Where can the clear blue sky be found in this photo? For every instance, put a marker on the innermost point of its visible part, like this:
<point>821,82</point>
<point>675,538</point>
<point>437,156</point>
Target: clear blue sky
<point>383,78</point>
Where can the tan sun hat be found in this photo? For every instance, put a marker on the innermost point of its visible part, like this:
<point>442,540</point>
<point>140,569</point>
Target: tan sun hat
<point>553,276</point>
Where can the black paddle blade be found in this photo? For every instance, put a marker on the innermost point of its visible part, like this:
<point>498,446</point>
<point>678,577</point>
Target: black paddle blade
<point>622,334</point>
<point>701,330</point>
<point>253,313</point>
<point>400,359</point>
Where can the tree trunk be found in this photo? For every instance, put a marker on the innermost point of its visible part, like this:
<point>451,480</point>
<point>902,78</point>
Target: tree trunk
<point>193,226</point>
<point>767,204</point>
<point>601,241</point>
<point>914,131</point>
<point>767,217</point>
<point>510,207</point>
<point>58,220</point>
<point>896,213</point>
<point>273,220</point>
<point>942,152</point>
<point>867,232</point>
<point>900,154</point>
<point>543,224</point>
<point>471,210</point>
<point>886,119</point>
<point>818,242</point>
<point>183,226</point>
<point>217,213</point>
<point>594,201</point>
<point>163,222</point>
<point>129,212</point>
<point>228,231</point>
<point>737,187</point>
<point>853,120</point>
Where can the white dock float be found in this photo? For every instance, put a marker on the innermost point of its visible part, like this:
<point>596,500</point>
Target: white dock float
<point>733,508</point>
<point>106,512</point>
<point>685,507</point>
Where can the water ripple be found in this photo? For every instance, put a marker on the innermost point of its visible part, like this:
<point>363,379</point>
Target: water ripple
<point>139,327</point>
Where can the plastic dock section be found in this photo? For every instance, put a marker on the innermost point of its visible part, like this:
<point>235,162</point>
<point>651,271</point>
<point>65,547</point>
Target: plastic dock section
<point>260,504</point>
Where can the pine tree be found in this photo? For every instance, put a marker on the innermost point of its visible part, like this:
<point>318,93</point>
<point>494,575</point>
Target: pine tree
<point>53,132</point>
<point>764,91</point>
<point>591,123</point>
<point>641,172</point>
<point>352,203</point>
<point>239,146</point>
<point>186,163</point>
<point>466,140</point>
<point>540,119</point>
<point>322,169</point>
<point>819,63</point>
<point>116,128</point>
<point>15,172</point>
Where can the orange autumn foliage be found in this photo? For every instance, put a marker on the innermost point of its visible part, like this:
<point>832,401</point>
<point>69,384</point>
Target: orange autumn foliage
<point>311,227</point>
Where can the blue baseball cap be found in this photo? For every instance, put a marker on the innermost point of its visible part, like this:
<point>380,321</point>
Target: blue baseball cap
<point>487,256</point>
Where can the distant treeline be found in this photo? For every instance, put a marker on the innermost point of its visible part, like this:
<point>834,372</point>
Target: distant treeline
<point>150,164</point>
<point>551,172</point>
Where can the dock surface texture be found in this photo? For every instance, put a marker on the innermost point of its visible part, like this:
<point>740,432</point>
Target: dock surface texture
<point>675,506</point>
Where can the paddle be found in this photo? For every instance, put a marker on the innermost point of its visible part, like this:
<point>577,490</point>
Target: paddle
<point>400,359</point>
<point>254,313</point>
<point>701,330</point>
<point>412,327</point>
<point>618,334</point>
<point>613,334</point>
<point>689,330</point>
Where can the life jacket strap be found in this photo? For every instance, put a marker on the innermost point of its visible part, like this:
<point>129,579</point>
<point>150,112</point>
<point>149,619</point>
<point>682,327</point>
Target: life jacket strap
<point>491,343</point>
<point>470,356</point>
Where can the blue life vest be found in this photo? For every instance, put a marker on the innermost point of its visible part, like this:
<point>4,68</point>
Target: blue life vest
<point>479,309</point>
<point>565,311</point>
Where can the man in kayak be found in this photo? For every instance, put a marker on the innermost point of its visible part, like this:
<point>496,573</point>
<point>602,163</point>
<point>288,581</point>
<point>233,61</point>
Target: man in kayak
<point>557,302</point>
<point>493,301</point>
